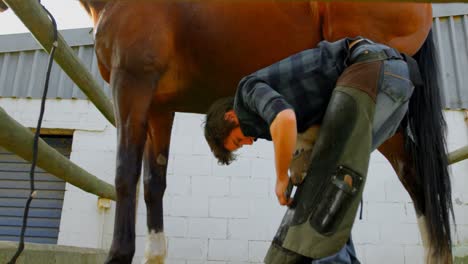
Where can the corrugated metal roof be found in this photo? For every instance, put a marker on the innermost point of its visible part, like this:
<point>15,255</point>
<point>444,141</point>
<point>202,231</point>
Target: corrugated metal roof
<point>23,62</point>
<point>23,65</point>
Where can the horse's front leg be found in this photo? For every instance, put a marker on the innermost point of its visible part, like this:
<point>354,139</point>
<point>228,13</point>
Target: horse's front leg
<point>154,171</point>
<point>132,98</point>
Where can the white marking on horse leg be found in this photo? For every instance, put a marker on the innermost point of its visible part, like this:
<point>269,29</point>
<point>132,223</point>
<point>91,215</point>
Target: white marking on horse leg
<point>161,159</point>
<point>155,251</point>
<point>422,224</point>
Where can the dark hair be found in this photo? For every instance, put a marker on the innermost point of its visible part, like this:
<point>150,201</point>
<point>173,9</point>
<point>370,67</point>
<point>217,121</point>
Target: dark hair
<point>217,129</point>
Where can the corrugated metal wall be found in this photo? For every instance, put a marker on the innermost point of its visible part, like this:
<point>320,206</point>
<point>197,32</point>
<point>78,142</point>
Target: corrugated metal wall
<point>46,209</point>
<point>22,61</point>
<point>451,37</point>
<point>23,66</point>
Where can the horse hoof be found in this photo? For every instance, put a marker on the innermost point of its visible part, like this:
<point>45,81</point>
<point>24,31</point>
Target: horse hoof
<point>155,251</point>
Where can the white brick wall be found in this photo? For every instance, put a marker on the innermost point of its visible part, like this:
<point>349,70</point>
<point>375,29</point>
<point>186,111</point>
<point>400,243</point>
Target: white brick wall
<point>217,214</point>
<point>228,250</point>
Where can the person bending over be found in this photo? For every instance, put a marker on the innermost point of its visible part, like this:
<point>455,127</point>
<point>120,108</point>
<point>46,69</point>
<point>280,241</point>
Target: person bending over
<point>358,92</point>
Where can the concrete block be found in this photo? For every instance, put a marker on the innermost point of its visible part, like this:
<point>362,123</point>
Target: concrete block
<point>457,132</point>
<point>258,250</point>
<point>167,204</point>
<point>141,205</point>
<point>410,214</point>
<point>459,183</point>
<point>461,237</point>
<point>78,238</point>
<point>55,114</point>
<point>366,233</point>
<point>141,229</point>
<point>361,214</point>
<point>243,262</point>
<point>239,168</point>
<point>175,261</point>
<point>180,185</point>
<point>414,254</point>
<point>187,248</point>
<point>189,165</point>
<point>228,250</point>
<point>184,122</point>
<point>98,162</point>
<point>376,156</point>
<point>267,210</point>
<point>229,207</point>
<point>207,228</point>
<point>360,252</point>
<point>95,140</point>
<point>200,146</point>
<point>205,262</point>
<point>249,187</point>
<point>140,243</point>
<point>175,226</point>
<point>247,151</point>
<point>137,259</point>
<point>406,234</point>
<point>395,192</point>
<point>71,232</point>
<point>385,212</point>
<point>108,220</point>
<point>381,171</point>
<point>106,241</point>
<point>210,186</point>
<point>188,206</point>
<point>80,201</point>
<point>374,190</point>
<point>263,168</point>
<point>271,189</point>
<point>11,105</point>
<point>251,229</point>
<point>385,254</point>
<point>461,214</point>
<point>181,145</point>
<point>262,149</point>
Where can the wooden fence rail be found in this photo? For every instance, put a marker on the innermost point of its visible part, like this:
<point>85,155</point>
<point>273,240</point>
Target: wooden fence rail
<point>18,139</point>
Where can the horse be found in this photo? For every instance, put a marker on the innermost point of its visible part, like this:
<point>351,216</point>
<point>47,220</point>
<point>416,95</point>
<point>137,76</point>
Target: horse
<point>162,57</point>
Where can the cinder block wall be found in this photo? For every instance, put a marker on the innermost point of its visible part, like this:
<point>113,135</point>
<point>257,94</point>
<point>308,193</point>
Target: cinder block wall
<point>218,214</point>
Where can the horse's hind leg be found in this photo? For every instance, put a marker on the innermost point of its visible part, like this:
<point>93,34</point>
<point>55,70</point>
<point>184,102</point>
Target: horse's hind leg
<point>132,98</point>
<point>393,149</point>
<point>154,171</point>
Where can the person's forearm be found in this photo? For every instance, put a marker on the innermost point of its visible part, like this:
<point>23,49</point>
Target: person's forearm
<point>284,133</point>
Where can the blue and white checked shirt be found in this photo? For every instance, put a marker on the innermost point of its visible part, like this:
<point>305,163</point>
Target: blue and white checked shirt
<point>303,82</point>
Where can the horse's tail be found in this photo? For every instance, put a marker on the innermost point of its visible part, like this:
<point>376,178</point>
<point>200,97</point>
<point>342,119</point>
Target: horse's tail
<point>425,141</point>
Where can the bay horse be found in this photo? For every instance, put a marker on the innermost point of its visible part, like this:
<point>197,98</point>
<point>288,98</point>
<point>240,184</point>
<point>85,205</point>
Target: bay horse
<point>162,57</point>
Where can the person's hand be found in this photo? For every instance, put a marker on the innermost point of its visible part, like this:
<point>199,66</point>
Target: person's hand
<point>281,187</point>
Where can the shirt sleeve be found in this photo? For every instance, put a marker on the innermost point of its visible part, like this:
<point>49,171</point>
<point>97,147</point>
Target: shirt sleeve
<point>261,99</point>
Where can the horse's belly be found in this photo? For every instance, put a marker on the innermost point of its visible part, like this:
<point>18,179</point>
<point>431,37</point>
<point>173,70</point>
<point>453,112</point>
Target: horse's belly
<point>401,25</point>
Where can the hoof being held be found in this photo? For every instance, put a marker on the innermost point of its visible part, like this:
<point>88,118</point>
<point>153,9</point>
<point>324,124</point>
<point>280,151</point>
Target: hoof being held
<point>156,250</point>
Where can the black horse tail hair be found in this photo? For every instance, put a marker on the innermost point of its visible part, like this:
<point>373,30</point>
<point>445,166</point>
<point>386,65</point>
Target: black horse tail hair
<point>425,143</point>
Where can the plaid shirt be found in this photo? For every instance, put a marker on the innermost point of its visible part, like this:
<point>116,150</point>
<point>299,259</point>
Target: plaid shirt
<point>303,82</point>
